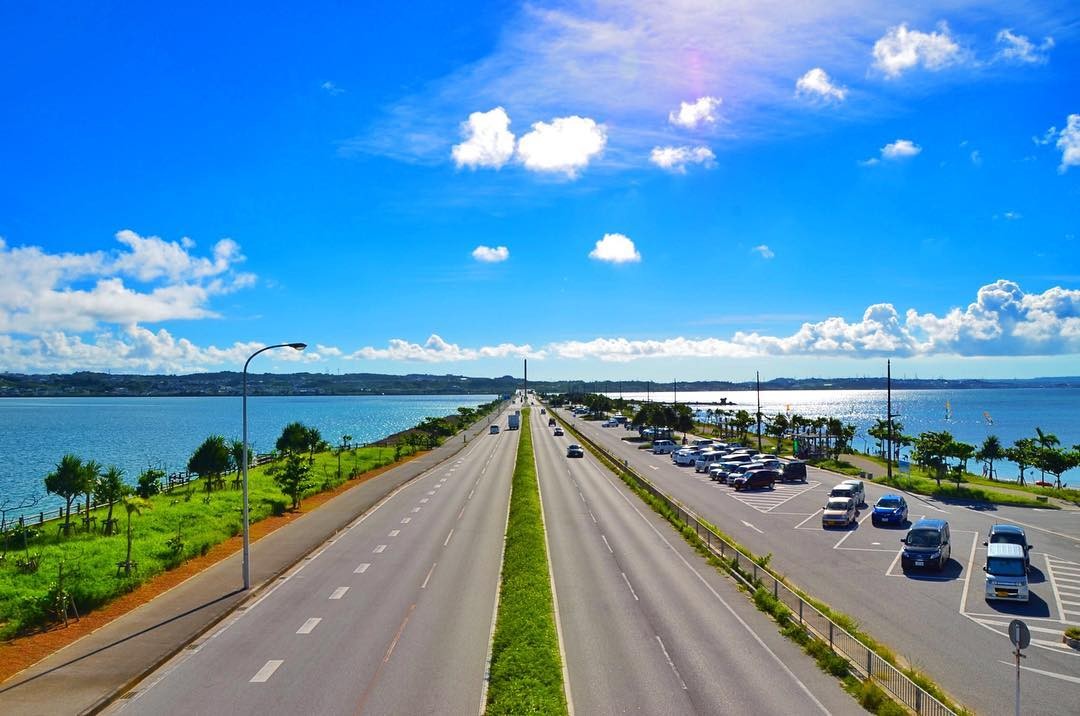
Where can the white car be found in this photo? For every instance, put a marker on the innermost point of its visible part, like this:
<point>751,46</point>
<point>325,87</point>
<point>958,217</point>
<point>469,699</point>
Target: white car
<point>706,459</point>
<point>687,457</point>
<point>663,447</point>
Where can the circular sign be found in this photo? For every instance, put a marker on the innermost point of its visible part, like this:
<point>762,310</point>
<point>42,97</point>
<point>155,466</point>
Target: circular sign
<point>1019,634</point>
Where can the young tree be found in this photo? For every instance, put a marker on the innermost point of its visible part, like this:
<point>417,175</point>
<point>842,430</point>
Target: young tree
<point>293,438</point>
<point>149,482</point>
<point>93,474</point>
<point>313,441</point>
<point>776,427</point>
<point>742,422</point>
<point>110,488</point>
<point>133,506</point>
<point>1045,441</point>
<point>1023,454</point>
<point>293,477</point>
<point>1056,462</point>
<point>236,452</point>
<point>210,460</point>
<point>931,450</point>
<point>989,451</point>
<point>961,452</point>
<point>67,481</point>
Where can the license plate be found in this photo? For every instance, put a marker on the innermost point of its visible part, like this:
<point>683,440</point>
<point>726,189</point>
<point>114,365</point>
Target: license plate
<point>1004,593</point>
<point>919,563</point>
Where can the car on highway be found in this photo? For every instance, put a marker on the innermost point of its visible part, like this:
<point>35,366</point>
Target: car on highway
<point>756,480</point>
<point>838,512</point>
<point>543,411</point>
<point>558,432</point>
<point>793,471</point>
<point>663,447</point>
<point>927,544</point>
<point>494,430</point>
<point>574,450</point>
<point>1010,534</point>
<point>551,422</point>
<point>890,510</point>
<point>1006,572</point>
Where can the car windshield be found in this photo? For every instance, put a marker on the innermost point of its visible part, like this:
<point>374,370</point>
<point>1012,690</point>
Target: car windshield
<point>1007,538</point>
<point>1005,566</point>
<point>889,503</point>
<point>838,503</point>
<point>923,538</point>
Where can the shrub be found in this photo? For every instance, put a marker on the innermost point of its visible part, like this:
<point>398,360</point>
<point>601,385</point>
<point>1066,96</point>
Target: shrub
<point>1072,632</point>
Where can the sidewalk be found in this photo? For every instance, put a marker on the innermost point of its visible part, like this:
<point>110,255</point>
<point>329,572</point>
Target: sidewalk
<point>877,470</point>
<point>88,674</point>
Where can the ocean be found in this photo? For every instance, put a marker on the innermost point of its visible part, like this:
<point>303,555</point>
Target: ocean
<point>136,433</point>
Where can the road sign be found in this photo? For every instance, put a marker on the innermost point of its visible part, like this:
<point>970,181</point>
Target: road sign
<point>1019,634</point>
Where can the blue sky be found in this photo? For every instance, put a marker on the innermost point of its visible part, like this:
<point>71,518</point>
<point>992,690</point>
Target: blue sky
<point>626,190</point>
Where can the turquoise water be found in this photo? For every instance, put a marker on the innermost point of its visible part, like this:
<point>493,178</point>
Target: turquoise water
<point>136,433</point>
<point>970,415</point>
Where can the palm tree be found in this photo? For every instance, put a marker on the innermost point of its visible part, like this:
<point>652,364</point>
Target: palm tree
<point>133,505</point>
<point>68,481</point>
<point>1045,440</point>
<point>236,452</point>
<point>989,451</point>
<point>110,488</point>
<point>93,474</point>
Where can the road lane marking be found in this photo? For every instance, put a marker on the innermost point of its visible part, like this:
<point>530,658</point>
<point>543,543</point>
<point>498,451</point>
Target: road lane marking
<point>461,513</point>
<point>593,516</point>
<point>654,467</point>
<point>448,538</point>
<point>431,492</point>
<point>670,662</point>
<point>394,533</point>
<point>810,517</point>
<point>379,549</point>
<point>339,593</point>
<point>1051,674</point>
<point>851,532</point>
<point>967,572</point>
<point>629,586</point>
<point>606,544</point>
<point>1054,588</point>
<point>415,510</point>
<point>267,671</point>
<point>471,492</point>
<point>424,585</point>
<point>309,625</point>
<point>752,527</point>
<point>362,568</point>
<point>406,520</point>
<point>423,500</point>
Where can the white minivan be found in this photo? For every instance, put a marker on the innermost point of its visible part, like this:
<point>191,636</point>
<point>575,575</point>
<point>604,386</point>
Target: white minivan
<point>1006,572</point>
<point>663,447</point>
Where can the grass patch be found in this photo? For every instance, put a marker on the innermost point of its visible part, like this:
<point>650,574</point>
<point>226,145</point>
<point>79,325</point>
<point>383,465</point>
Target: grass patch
<point>178,525</point>
<point>526,669</point>
<point>841,466</point>
<point>1072,632</point>
<point>827,660</point>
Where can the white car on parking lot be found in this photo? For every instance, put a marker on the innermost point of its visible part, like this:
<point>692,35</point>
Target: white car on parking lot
<point>663,447</point>
<point>706,459</point>
<point>687,456</point>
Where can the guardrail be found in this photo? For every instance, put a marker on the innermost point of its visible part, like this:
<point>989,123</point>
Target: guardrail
<point>861,657</point>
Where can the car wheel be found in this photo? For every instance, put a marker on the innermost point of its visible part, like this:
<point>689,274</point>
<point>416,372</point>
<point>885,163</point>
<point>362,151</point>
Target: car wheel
<point>772,485</point>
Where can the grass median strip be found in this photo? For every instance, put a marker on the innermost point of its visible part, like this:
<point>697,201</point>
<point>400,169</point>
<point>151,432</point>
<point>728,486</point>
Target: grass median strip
<point>526,669</point>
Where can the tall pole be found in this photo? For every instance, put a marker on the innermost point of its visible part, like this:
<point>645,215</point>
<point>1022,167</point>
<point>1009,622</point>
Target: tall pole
<point>757,375</point>
<point>889,416</point>
<point>247,536</point>
<point>526,378</point>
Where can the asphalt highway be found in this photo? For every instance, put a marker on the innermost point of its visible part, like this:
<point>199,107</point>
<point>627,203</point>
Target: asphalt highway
<point>938,622</point>
<point>647,626</point>
<point>394,615</point>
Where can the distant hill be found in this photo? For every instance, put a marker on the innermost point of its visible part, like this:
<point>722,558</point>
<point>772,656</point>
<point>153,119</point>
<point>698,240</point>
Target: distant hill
<point>229,383</point>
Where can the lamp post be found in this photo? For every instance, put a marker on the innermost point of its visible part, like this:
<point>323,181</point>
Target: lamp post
<point>247,559</point>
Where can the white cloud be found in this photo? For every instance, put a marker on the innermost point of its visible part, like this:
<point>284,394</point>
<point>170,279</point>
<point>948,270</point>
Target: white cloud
<point>566,145</point>
<point>322,350</point>
<point>1069,143</point>
<point>436,350</point>
<point>1018,48</point>
<point>976,158</point>
<point>488,140</point>
<point>491,254</point>
<point>691,115</point>
<point>817,84</point>
<point>675,159</point>
<point>331,89</point>
<point>764,251</point>
<point>80,292</point>
<point>1013,215</point>
<point>900,149</point>
<point>901,49</point>
<point>616,249</point>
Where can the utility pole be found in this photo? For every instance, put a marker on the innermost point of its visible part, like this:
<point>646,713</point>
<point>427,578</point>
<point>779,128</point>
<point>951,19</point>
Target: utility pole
<point>757,375</point>
<point>889,417</point>
<point>526,378</point>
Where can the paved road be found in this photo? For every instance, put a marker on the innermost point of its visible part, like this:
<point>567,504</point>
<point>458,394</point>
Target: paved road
<point>940,623</point>
<point>648,627</point>
<point>393,616</point>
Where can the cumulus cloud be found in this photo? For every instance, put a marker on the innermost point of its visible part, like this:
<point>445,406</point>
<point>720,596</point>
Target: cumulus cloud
<point>615,249</point>
<point>1069,143</point>
<point>900,149</point>
<point>436,350</point>
<point>764,251</point>
<point>901,49</point>
<point>817,84</point>
<point>675,159</point>
<point>691,115</point>
<point>1018,48</point>
<point>488,140</point>
<point>331,89</point>
<point>565,146</point>
<point>491,254</point>
<point>80,292</point>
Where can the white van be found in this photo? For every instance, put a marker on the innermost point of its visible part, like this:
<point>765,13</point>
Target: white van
<point>1006,572</point>
<point>663,447</point>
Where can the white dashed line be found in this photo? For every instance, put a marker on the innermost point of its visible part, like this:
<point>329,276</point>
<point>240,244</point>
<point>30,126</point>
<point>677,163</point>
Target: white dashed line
<point>629,586</point>
<point>670,662</point>
<point>379,549</point>
<point>394,533</point>
<point>415,510</point>
<point>309,625</point>
<point>423,500</point>
<point>406,520</point>
<point>448,538</point>
<point>593,516</point>
<point>424,585</point>
<point>339,593</point>
<point>267,671</point>
<point>362,568</point>
<point>609,549</point>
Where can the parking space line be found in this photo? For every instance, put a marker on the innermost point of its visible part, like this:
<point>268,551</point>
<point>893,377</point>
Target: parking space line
<point>967,572</point>
<point>1054,588</point>
<point>808,518</point>
<point>851,532</point>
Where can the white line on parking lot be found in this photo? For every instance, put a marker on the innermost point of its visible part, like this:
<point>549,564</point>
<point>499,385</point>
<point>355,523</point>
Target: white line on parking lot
<point>967,572</point>
<point>809,517</point>
<point>267,671</point>
<point>1053,587</point>
<point>394,533</point>
<point>851,532</point>
<point>1051,674</point>
<point>752,527</point>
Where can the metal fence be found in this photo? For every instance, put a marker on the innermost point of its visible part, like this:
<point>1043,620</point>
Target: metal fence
<point>865,661</point>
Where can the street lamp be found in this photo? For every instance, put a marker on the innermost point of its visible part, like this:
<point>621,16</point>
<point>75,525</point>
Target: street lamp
<point>247,559</point>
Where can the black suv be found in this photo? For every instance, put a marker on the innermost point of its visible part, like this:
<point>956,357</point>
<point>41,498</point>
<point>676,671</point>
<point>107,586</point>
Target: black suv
<point>756,480</point>
<point>793,471</point>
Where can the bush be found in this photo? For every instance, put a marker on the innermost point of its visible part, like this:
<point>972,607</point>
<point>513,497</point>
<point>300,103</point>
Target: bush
<point>1072,632</point>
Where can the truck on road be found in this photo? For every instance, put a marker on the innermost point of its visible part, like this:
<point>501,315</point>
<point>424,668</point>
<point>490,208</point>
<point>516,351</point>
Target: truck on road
<point>513,421</point>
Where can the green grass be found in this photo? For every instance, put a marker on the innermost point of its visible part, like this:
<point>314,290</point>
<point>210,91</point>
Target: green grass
<point>202,521</point>
<point>841,466</point>
<point>526,669</point>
